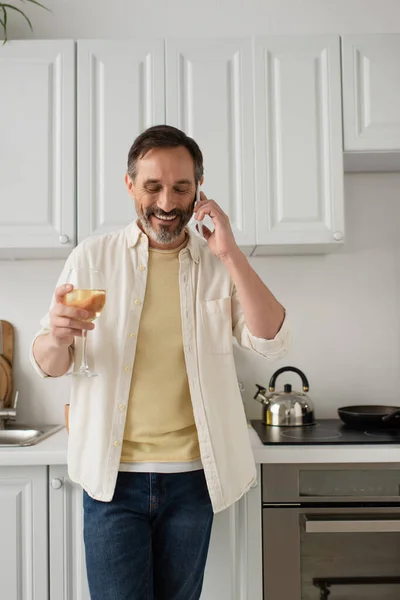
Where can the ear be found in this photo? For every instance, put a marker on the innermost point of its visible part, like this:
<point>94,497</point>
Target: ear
<point>129,184</point>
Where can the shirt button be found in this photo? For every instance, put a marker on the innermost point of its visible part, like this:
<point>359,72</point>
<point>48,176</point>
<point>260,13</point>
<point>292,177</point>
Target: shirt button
<point>121,407</point>
<point>138,302</point>
<point>132,335</point>
<point>142,268</point>
<point>143,238</point>
<point>117,443</point>
<point>127,368</point>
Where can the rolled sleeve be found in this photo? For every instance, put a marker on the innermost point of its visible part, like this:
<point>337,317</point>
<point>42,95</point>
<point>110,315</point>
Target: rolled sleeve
<point>270,349</point>
<point>35,364</point>
<point>32,358</point>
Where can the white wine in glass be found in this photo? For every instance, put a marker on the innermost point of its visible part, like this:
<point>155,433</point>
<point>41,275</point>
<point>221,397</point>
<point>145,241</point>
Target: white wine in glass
<point>89,294</point>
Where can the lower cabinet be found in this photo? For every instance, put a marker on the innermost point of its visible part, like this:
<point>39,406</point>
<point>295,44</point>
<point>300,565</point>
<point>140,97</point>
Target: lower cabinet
<point>67,556</point>
<point>23,533</point>
<point>41,547</point>
<point>234,565</point>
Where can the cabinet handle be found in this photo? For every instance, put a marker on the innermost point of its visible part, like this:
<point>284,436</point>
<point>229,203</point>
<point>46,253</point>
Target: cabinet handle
<point>64,239</point>
<point>338,236</point>
<point>373,526</point>
<point>56,483</point>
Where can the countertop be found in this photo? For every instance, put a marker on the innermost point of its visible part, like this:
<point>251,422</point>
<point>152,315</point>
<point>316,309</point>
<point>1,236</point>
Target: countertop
<point>335,453</point>
<point>53,451</point>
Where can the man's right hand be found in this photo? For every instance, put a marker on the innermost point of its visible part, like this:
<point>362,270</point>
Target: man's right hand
<point>66,322</point>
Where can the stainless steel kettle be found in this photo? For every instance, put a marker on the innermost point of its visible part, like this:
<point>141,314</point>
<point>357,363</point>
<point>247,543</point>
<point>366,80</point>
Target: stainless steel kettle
<point>287,408</point>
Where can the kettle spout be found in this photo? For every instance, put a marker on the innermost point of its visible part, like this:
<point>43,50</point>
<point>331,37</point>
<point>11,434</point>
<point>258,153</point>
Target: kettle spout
<point>260,395</point>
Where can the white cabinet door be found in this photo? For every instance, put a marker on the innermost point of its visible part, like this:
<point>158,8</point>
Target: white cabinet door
<point>220,575</point>
<point>23,533</point>
<point>371,92</point>
<point>120,93</point>
<point>234,564</point>
<point>67,556</point>
<point>209,95</point>
<point>37,149</point>
<point>299,160</point>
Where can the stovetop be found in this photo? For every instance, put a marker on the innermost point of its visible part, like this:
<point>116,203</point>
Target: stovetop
<point>325,431</point>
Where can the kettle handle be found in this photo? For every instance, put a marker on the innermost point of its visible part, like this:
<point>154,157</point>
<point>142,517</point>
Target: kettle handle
<point>304,379</point>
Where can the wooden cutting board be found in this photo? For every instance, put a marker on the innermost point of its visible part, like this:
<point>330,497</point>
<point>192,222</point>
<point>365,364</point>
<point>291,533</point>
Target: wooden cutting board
<point>8,341</point>
<point>6,363</point>
<point>6,382</point>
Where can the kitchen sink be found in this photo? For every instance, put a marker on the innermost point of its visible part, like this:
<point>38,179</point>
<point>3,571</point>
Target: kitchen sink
<point>25,435</point>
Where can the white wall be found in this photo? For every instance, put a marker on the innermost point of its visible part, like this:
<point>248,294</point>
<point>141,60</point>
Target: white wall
<point>344,309</point>
<point>127,18</point>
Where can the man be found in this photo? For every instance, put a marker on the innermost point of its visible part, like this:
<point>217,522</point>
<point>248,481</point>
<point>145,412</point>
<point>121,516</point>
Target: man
<point>159,441</point>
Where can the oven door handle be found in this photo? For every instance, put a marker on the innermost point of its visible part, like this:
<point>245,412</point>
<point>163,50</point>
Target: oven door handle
<point>356,526</point>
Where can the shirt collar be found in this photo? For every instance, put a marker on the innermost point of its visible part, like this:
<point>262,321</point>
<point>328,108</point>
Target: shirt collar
<point>134,233</point>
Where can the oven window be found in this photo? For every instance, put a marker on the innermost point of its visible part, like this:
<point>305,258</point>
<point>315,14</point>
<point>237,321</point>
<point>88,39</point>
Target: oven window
<point>350,556</point>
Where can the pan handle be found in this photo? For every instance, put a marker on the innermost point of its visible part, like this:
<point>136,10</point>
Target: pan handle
<point>391,416</point>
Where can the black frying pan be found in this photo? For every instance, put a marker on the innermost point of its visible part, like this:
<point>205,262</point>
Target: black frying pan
<point>370,416</point>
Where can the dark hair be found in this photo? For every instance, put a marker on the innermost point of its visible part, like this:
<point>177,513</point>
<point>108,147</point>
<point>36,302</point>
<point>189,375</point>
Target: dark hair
<point>164,136</point>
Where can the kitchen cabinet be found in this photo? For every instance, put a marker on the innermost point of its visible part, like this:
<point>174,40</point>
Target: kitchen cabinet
<point>23,539</point>
<point>67,555</point>
<point>371,92</point>
<point>298,143</point>
<point>209,95</point>
<point>37,151</point>
<point>266,112</point>
<point>120,93</point>
<point>234,565</point>
<point>233,572</point>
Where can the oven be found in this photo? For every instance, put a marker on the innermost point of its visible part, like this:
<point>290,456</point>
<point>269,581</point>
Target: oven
<point>331,532</point>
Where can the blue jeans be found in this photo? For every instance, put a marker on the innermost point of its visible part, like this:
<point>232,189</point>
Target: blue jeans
<point>151,541</point>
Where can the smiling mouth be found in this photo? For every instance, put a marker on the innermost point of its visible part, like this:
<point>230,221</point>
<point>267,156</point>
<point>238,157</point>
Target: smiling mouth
<point>165,219</point>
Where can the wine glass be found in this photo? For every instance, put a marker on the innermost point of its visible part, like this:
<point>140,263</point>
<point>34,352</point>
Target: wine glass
<point>89,294</point>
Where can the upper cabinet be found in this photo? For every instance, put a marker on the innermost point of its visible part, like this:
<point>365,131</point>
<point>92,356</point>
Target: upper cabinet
<point>371,92</point>
<point>298,134</point>
<point>266,112</point>
<point>120,93</point>
<point>209,95</point>
<point>37,150</point>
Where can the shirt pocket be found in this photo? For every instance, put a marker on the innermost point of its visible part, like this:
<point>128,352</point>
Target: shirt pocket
<point>217,325</point>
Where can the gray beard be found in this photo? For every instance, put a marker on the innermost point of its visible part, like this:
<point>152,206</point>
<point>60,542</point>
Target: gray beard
<point>163,235</point>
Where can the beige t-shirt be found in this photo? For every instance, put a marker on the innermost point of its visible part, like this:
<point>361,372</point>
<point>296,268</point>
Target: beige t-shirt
<point>160,425</point>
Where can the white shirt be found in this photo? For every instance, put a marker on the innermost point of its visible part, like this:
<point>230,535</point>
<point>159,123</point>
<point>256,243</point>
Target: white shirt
<point>211,313</point>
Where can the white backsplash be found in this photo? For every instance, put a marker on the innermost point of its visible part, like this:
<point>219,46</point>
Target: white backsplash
<point>344,309</point>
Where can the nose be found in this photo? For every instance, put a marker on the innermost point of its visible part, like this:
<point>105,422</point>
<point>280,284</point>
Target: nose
<point>165,200</point>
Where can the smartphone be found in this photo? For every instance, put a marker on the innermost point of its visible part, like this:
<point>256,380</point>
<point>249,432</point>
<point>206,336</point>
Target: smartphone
<point>198,223</point>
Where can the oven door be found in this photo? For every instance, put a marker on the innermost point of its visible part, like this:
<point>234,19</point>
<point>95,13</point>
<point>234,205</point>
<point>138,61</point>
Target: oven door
<point>341,553</point>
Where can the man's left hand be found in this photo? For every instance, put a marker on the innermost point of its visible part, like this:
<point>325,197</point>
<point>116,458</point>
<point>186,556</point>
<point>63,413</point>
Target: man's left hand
<point>220,241</point>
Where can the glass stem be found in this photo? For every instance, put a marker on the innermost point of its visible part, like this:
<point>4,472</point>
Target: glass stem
<point>84,365</point>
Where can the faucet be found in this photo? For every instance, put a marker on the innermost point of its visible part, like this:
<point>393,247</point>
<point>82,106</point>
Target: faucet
<point>9,414</point>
